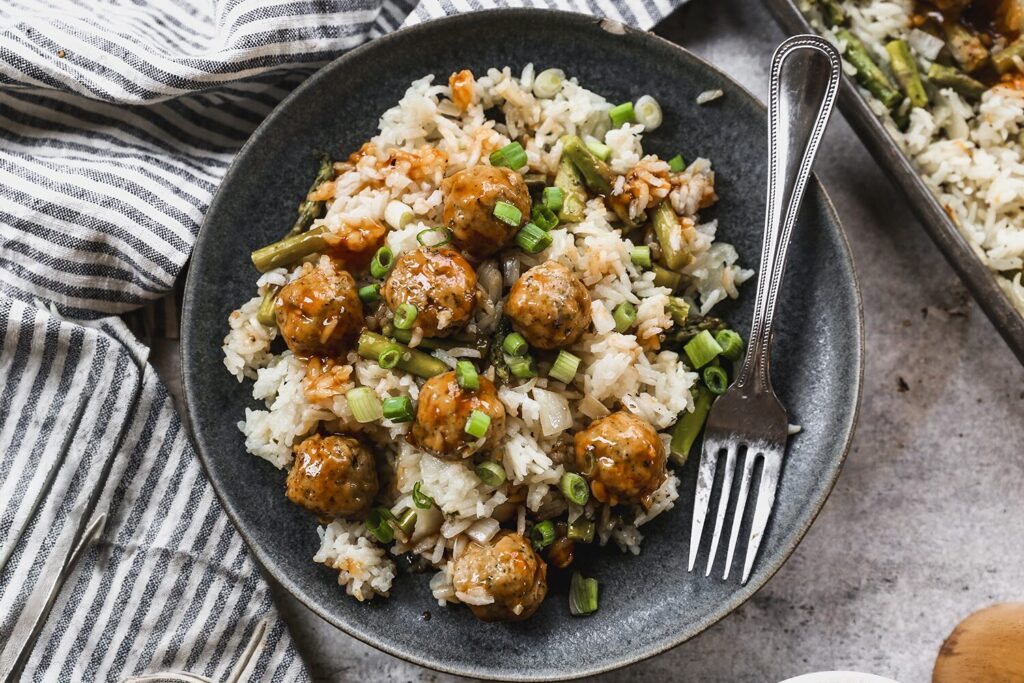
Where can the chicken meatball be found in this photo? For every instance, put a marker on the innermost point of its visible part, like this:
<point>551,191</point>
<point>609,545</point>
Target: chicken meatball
<point>320,312</point>
<point>440,283</point>
<point>506,570</point>
<point>333,476</point>
<point>443,410</point>
<point>469,199</point>
<point>623,457</point>
<point>549,306</point>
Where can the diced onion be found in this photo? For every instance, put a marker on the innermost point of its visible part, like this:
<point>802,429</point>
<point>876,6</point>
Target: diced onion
<point>483,530</point>
<point>709,95</point>
<point>397,214</point>
<point>647,112</point>
<point>548,83</point>
<point>555,416</point>
<point>925,44</point>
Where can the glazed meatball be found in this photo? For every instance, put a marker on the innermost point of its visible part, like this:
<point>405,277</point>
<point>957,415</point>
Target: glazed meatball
<point>442,412</point>
<point>549,306</point>
<point>320,312</point>
<point>440,283</point>
<point>469,199</point>
<point>506,569</point>
<point>623,457</point>
<point>333,476</point>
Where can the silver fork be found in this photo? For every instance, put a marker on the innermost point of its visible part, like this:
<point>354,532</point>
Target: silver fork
<point>749,421</point>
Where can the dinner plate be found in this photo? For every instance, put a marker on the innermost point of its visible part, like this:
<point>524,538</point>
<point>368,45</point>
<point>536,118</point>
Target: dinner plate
<point>979,280</point>
<point>648,603</point>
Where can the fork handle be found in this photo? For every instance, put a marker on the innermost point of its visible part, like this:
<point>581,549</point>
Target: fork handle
<point>804,79</point>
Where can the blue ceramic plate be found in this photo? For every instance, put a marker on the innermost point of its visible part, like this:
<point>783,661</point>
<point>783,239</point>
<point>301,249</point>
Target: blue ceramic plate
<point>649,602</point>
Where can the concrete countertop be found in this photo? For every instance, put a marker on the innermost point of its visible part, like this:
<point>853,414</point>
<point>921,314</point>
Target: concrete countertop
<point>925,523</point>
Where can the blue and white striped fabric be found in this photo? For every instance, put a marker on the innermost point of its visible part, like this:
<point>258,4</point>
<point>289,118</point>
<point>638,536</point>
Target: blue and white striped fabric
<point>117,120</point>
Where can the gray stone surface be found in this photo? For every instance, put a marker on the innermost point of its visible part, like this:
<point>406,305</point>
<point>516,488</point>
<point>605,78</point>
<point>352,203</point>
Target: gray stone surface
<point>925,524</point>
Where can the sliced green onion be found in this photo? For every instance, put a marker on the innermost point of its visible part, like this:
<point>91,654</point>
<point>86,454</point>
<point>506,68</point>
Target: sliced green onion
<point>478,424</point>
<point>624,316</point>
<point>731,343</point>
<point>678,309</point>
<point>575,488</point>
<point>397,214</point>
<point>370,293</point>
<point>490,473</point>
<point>508,213</point>
<point>543,217</point>
<point>465,375</point>
<point>702,349</point>
<point>405,316</point>
<point>582,595</point>
<point>599,149</point>
<point>582,530</point>
<point>548,83</point>
<point>641,256</point>
<point>377,523</point>
<point>389,356</point>
<point>511,155</point>
<point>364,404</point>
<point>515,344</point>
<point>522,368</point>
<point>397,409</point>
<point>676,164</point>
<point>622,114</point>
<point>533,239</point>
<point>715,379</point>
<point>420,499</point>
<point>647,112</point>
<point>407,521</point>
<point>565,367</point>
<point>445,236</point>
<point>554,198</point>
<point>543,534</point>
<point>382,262</point>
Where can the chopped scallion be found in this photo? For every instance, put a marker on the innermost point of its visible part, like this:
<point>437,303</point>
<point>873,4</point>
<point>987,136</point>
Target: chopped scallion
<point>678,309</point>
<point>581,529</point>
<point>405,316</point>
<point>731,343</point>
<point>599,149</point>
<point>378,524</point>
<point>397,215</point>
<point>622,114</point>
<point>676,164</point>
<point>522,368</point>
<point>574,488</point>
<point>548,83</point>
<point>554,198</point>
<point>565,367</point>
<point>647,112</point>
<point>624,316</point>
<point>702,349</point>
<point>533,239</point>
<point>398,409</point>
<point>370,293</point>
<point>389,356</point>
<point>641,256</point>
<point>420,499</point>
<point>407,521</point>
<point>511,155</point>
<point>543,217</point>
<point>435,237</point>
<point>508,213</point>
<point>364,404</point>
<point>582,595</point>
<point>490,473</point>
<point>382,262</point>
<point>715,379</point>
<point>543,534</point>
<point>465,375</point>
<point>478,424</point>
<point>515,344</point>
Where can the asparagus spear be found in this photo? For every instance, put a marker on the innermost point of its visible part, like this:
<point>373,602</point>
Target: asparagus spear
<point>904,68</point>
<point>868,73</point>
<point>595,172</point>
<point>370,345</point>
<point>574,195</point>
<point>309,210</point>
<point>265,314</point>
<point>666,229</point>
<point>678,309</point>
<point>832,12</point>
<point>691,327</point>
<point>1003,60</point>
<point>289,250</point>
<point>497,355</point>
<point>689,425</point>
<point>463,341</point>
<point>948,77</point>
<point>663,277</point>
<point>965,46</point>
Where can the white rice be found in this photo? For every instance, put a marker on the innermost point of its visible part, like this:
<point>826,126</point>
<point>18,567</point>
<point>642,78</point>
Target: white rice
<point>627,371</point>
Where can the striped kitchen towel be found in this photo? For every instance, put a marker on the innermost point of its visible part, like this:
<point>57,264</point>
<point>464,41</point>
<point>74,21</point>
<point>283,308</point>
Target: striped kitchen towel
<point>117,120</point>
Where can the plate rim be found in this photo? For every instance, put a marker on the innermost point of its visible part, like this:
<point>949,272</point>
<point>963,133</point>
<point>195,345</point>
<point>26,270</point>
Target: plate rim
<point>267,563</point>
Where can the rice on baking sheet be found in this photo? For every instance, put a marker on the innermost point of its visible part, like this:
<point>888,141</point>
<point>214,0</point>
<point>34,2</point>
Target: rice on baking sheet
<point>421,140</point>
